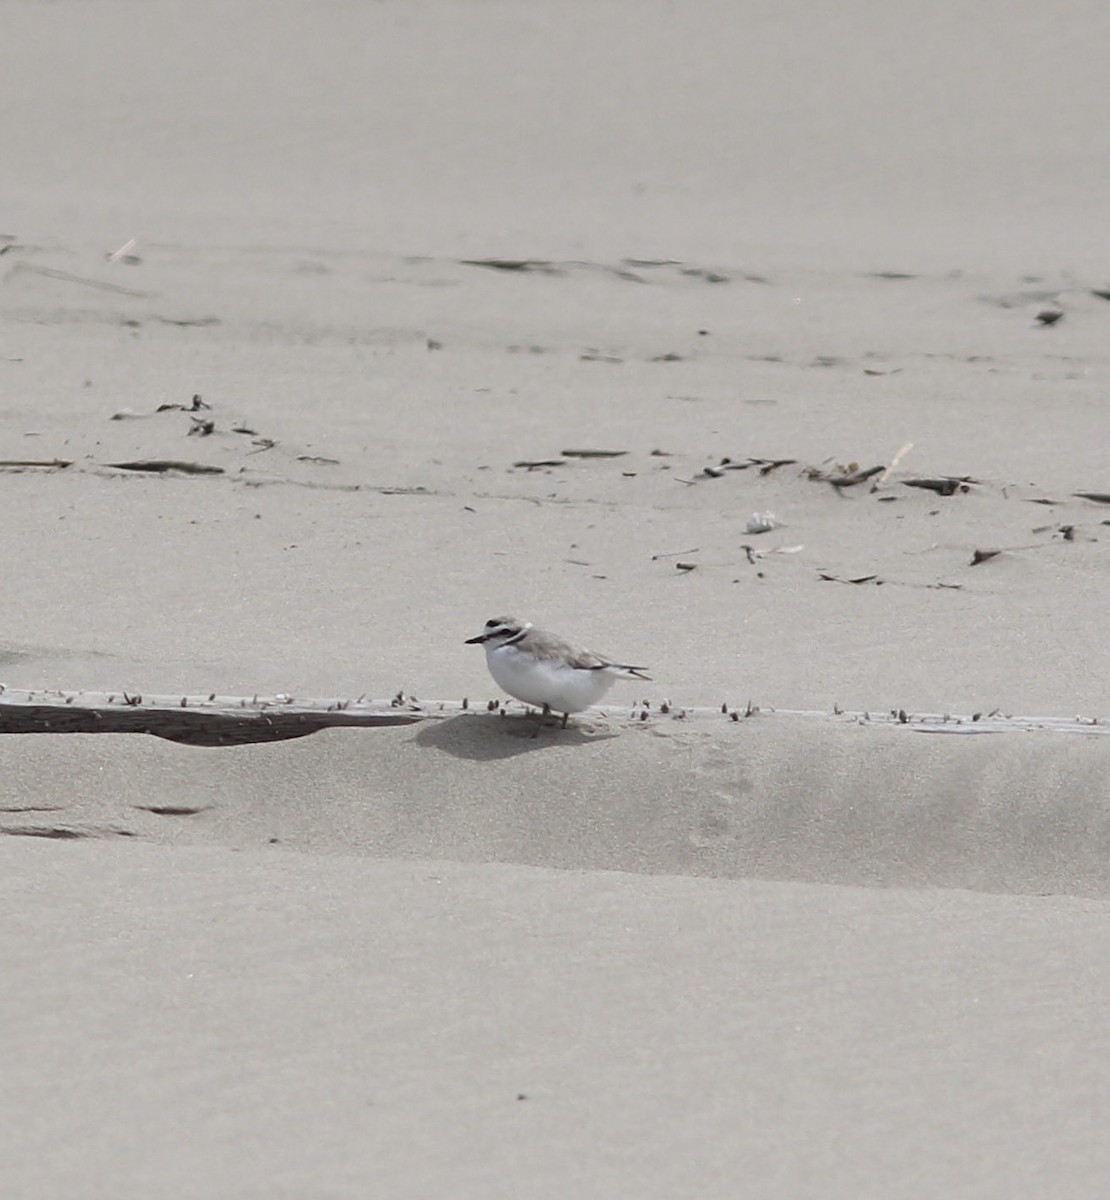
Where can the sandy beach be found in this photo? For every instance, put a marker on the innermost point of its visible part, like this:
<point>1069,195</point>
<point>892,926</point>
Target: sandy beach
<point>331,330</point>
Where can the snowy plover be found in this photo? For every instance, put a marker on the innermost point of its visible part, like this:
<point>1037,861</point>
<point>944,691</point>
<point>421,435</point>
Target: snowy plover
<point>541,669</point>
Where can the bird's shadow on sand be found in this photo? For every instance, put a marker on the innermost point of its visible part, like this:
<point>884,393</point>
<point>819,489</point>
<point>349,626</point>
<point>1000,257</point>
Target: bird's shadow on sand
<point>485,737</point>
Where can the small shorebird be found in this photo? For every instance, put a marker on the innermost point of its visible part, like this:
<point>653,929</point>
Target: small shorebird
<point>541,669</point>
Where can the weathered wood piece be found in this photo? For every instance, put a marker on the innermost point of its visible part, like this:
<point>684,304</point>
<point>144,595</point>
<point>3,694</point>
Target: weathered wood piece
<point>195,721</point>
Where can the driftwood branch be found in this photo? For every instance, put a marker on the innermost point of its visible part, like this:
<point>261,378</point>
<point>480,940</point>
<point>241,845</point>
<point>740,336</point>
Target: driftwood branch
<point>193,720</point>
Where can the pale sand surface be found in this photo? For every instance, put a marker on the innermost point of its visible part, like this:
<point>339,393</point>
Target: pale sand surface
<point>343,1012</point>
<point>197,1023</point>
<point>269,1015</point>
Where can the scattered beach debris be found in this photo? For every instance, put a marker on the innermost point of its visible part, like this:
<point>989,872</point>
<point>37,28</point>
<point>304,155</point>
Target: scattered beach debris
<point>765,465</point>
<point>947,485</point>
<point>515,264</point>
<point>705,273</point>
<point>855,579</point>
<point>842,476</point>
<point>161,465</point>
<point>197,404</point>
<point>194,406</point>
<point>685,566</point>
<point>173,810</point>
<point>201,427</point>
<point>760,522</point>
<point>188,322</point>
<point>753,555</point>
<point>628,269</point>
<point>535,464</point>
<point>23,464</point>
<point>1097,497</point>
<point>245,477</point>
<point>598,356</point>
<point>982,556</point>
<point>854,477</point>
<point>903,451</point>
<point>670,356</point>
<point>673,554</point>
<point>317,459</point>
<point>1049,316</point>
<point>593,453</point>
<point>124,253</point>
<point>62,832</point>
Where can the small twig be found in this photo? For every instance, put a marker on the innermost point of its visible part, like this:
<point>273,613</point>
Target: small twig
<point>893,463</point>
<point>124,250</point>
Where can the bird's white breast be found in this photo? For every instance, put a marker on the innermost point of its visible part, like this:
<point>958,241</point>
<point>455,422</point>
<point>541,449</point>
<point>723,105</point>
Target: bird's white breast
<point>553,682</point>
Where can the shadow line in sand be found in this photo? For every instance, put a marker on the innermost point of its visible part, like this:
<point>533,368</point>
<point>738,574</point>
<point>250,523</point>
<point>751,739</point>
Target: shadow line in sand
<point>499,737</point>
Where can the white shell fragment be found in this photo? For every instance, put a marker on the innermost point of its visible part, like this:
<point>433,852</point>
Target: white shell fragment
<point>762,522</point>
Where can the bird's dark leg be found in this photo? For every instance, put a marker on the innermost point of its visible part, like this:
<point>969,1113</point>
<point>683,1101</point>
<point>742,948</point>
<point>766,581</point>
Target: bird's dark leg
<point>545,712</point>
<point>565,715</point>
